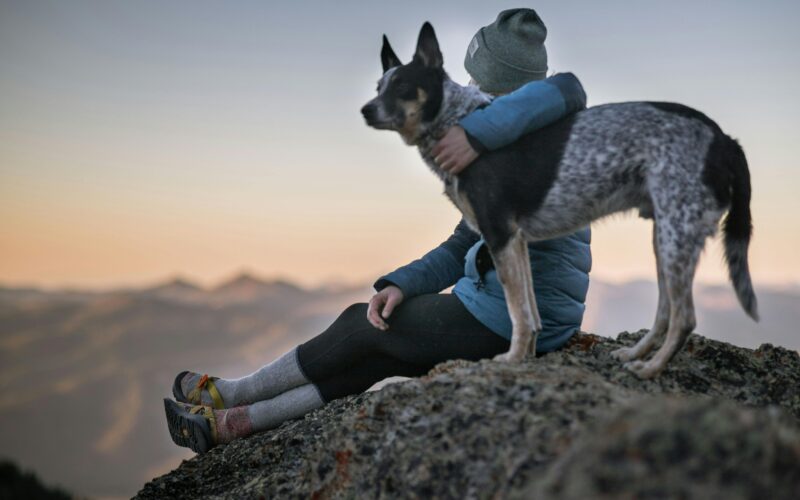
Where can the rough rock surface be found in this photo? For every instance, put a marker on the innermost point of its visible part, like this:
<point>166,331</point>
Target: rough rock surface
<point>721,421</point>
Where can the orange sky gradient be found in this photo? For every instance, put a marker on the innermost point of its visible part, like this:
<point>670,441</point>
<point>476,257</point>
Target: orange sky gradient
<point>136,145</point>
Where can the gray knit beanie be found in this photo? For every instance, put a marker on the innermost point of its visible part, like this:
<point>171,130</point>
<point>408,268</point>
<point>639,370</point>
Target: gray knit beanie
<point>509,52</point>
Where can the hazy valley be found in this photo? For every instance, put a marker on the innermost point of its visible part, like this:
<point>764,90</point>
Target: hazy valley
<point>83,373</point>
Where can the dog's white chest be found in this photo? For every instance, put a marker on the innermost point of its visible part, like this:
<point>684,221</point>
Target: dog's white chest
<point>459,199</point>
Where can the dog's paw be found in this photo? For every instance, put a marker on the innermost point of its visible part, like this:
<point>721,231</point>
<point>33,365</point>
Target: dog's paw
<point>508,357</point>
<point>643,369</point>
<point>624,354</point>
<point>503,358</point>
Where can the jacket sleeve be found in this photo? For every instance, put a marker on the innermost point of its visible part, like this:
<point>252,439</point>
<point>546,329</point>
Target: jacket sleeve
<point>437,269</point>
<point>532,106</point>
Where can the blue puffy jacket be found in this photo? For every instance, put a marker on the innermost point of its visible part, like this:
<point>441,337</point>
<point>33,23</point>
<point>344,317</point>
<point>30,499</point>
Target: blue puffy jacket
<point>560,267</point>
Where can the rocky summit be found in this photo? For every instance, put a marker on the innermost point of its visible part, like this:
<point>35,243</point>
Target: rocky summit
<point>720,422</point>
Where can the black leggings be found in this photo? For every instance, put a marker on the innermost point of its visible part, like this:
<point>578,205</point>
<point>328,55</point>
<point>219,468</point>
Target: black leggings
<point>351,354</point>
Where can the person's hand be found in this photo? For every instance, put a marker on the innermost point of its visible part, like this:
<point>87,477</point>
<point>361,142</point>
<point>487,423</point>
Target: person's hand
<point>382,304</point>
<point>453,152</point>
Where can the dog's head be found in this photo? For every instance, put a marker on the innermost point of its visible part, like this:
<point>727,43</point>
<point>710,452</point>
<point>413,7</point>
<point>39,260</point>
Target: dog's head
<point>409,95</point>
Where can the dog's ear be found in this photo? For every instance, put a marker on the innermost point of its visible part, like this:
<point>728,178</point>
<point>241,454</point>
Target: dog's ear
<point>428,47</point>
<point>388,57</point>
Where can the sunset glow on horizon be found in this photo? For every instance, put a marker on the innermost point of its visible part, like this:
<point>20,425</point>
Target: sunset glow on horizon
<point>142,140</point>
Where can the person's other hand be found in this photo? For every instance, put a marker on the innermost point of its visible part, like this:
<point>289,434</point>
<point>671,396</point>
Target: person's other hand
<point>382,304</point>
<point>453,153</point>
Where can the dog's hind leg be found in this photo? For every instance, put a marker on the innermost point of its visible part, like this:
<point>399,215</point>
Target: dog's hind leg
<point>513,270</point>
<point>656,333</point>
<point>680,246</point>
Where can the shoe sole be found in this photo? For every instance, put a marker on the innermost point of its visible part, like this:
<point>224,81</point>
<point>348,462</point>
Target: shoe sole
<point>187,429</point>
<point>177,392</point>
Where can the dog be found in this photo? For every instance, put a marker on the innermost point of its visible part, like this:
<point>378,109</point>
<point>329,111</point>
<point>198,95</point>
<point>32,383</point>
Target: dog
<point>669,161</point>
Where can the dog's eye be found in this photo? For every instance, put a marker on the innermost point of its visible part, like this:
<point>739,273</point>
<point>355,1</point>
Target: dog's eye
<point>405,90</point>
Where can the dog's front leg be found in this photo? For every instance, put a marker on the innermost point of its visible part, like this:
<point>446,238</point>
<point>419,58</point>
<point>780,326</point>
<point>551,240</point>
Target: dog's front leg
<point>529,292</point>
<point>513,269</point>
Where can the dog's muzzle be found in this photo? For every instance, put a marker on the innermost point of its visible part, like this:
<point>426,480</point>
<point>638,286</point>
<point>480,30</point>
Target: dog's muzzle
<point>370,112</point>
<point>374,117</point>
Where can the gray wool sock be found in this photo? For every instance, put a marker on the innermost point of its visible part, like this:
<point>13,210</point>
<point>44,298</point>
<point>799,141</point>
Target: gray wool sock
<point>267,382</point>
<point>290,404</point>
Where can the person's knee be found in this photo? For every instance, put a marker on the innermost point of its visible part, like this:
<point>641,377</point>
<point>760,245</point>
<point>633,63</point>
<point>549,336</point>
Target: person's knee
<point>353,323</point>
<point>354,314</point>
<point>353,332</point>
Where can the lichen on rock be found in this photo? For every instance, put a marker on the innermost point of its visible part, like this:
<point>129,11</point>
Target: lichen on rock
<point>680,448</point>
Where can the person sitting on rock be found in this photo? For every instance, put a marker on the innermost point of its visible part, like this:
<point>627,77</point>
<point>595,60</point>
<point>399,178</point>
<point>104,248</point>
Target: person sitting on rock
<point>408,326</point>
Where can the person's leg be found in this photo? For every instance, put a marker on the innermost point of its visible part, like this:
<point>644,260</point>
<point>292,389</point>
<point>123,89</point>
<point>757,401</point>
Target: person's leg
<point>267,382</point>
<point>200,427</point>
<point>280,375</point>
<point>354,380</point>
<point>242,421</point>
<point>364,374</point>
<point>423,331</point>
<point>351,355</point>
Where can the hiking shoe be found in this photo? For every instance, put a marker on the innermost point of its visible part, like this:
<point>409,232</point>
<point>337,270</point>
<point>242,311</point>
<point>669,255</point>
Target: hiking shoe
<point>191,426</point>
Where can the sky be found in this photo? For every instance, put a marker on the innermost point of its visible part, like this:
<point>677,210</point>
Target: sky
<point>143,140</point>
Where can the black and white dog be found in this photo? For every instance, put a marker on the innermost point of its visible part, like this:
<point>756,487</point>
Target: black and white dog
<point>670,162</point>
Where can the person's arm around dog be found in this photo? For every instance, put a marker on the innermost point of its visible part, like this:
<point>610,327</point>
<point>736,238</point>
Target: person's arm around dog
<point>531,107</point>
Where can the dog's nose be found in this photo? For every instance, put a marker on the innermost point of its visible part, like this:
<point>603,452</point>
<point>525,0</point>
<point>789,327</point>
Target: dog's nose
<point>369,112</point>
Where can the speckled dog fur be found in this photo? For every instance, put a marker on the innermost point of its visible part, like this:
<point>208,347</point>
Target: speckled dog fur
<point>670,162</point>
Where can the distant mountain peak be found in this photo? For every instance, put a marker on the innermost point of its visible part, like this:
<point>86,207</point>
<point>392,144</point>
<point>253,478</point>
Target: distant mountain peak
<point>177,288</point>
<point>249,280</point>
<point>179,282</point>
<point>246,287</point>
<point>242,280</point>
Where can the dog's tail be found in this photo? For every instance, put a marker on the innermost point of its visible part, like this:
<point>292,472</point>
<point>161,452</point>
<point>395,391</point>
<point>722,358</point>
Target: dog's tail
<point>738,228</point>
